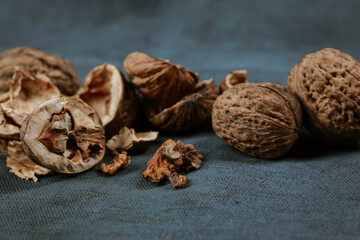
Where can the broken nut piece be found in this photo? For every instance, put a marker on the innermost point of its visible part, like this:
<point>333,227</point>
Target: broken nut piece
<point>119,161</point>
<point>232,79</point>
<point>169,159</point>
<point>128,139</point>
<point>64,134</point>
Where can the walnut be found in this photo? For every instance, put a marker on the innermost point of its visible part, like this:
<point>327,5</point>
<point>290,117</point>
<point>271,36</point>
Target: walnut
<point>56,68</point>
<point>261,120</point>
<point>21,165</point>
<point>106,91</point>
<point>118,161</point>
<point>169,159</point>
<point>159,80</point>
<point>178,181</point>
<point>328,85</point>
<point>127,139</point>
<point>233,78</point>
<point>191,112</point>
<point>64,134</point>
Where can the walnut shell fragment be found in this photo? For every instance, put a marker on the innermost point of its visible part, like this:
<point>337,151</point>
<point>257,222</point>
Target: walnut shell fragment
<point>27,91</point>
<point>261,120</point>
<point>21,165</point>
<point>233,78</point>
<point>170,158</point>
<point>64,134</point>
<point>328,85</point>
<point>159,80</point>
<point>191,112</point>
<point>127,139</point>
<point>118,161</point>
<point>106,91</point>
<point>56,68</point>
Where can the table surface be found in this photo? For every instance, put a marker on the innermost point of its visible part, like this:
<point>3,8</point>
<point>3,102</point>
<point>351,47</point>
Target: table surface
<point>313,192</point>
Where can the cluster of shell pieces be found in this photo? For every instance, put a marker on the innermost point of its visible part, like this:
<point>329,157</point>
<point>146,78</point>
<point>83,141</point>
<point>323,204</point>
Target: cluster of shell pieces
<point>49,123</point>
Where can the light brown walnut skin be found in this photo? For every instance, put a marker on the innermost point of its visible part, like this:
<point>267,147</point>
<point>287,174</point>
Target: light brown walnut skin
<point>58,69</point>
<point>87,129</point>
<point>159,80</point>
<point>261,120</point>
<point>119,161</point>
<point>328,85</point>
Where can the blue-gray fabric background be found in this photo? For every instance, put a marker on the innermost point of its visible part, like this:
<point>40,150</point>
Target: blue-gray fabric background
<point>311,193</point>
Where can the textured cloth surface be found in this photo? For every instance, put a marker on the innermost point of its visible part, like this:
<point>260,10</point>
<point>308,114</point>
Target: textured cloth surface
<point>311,193</point>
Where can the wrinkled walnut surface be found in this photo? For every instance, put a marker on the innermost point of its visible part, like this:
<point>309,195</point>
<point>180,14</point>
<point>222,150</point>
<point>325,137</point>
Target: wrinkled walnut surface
<point>170,158</point>
<point>328,85</point>
<point>106,91</point>
<point>261,120</point>
<point>159,80</point>
<point>58,69</point>
<point>21,165</point>
<point>191,112</point>
<point>64,134</point>
<point>232,79</point>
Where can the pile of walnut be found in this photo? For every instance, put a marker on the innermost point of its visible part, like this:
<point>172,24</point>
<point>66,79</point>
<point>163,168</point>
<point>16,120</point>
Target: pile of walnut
<point>49,123</point>
<point>264,120</point>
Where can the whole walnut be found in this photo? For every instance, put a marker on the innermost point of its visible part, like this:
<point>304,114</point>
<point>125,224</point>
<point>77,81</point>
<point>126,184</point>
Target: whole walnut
<point>261,120</point>
<point>57,68</point>
<point>328,85</point>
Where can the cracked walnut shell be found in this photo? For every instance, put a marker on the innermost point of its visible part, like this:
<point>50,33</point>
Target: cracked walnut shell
<point>58,69</point>
<point>107,92</point>
<point>159,80</point>
<point>64,134</point>
<point>261,120</point>
<point>328,85</point>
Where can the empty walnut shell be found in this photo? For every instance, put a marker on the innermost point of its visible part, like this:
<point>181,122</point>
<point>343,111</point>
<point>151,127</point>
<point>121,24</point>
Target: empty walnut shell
<point>190,112</point>
<point>159,80</point>
<point>64,134</point>
<point>261,120</point>
<point>232,79</point>
<point>58,69</point>
<point>328,85</point>
<point>107,92</point>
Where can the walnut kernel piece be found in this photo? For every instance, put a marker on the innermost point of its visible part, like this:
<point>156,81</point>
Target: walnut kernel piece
<point>191,112</point>
<point>64,134</point>
<point>328,85</point>
<point>127,139</point>
<point>119,161</point>
<point>58,69</point>
<point>21,165</point>
<point>178,181</point>
<point>261,120</point>
<point>232,79</point>
<point>169,159</point>
<point>106,91</point>
<point>161,81</point>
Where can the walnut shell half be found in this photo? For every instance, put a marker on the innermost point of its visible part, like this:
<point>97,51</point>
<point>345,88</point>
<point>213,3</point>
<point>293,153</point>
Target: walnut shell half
<point>190,112</point>
<point>64,134</point>
<point>261,120</point>
<point>107,92</point>
<point>159,80</point>
<point>58,69</point>
<point>328,85</point>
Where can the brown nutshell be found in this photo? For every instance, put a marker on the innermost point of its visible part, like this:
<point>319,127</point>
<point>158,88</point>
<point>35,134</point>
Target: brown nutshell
<point>159,80</point>
<point>328,85</point>
<point>58,69</point>
<point>232,79</point>
<point>261,120</point>
<point>191,112</point>
<point>107,92</point>
<point>64,134</point>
